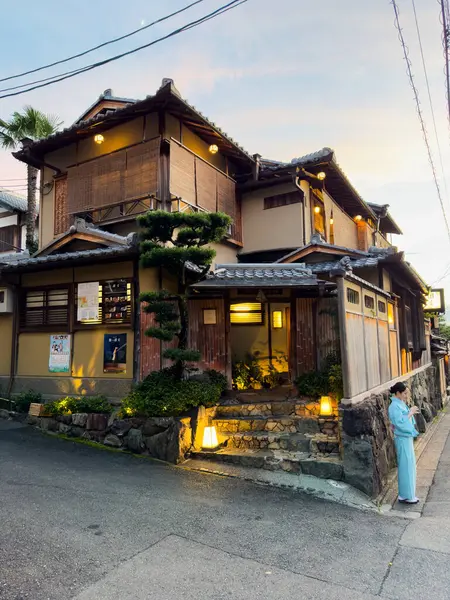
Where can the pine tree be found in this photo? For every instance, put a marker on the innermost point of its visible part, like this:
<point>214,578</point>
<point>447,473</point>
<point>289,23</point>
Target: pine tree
<point>178,244</point>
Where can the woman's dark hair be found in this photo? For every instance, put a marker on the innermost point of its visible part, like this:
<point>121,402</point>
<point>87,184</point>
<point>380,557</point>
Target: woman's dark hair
<point>398,388</point>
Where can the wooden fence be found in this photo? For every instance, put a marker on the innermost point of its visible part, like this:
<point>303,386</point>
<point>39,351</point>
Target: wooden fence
<point>369,337</point>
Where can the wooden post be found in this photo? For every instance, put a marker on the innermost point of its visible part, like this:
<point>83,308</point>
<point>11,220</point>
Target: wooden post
<point>343,337</point>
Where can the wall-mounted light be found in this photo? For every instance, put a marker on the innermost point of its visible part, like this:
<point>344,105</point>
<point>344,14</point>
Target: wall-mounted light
<point>277,319</point>
<point>326,408</point>
<point>317,209</point>
<point>331,221</point>
<point>99,139</point>
<point>358,218</point>
<point>321,175</point>
<point>214,149</point>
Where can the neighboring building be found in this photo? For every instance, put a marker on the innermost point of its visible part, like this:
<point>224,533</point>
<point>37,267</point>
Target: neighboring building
<point>307,270</point>
<point>12,222</point>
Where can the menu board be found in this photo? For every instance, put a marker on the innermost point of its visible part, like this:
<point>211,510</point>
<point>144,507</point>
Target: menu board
<point>116,300</point>
<point>87,309</point>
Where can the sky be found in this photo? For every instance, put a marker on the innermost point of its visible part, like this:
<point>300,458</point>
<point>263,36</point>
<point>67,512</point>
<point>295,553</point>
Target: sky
<point>283,78</point>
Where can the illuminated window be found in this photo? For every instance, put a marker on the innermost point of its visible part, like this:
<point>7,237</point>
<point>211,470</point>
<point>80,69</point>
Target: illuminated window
<point>391,316</point>
<point>352,296</point>
<point>277,319</point>
<point>246,313</point>
<point>331,229</point>
<point>113,304</point>
<point>319,217</point>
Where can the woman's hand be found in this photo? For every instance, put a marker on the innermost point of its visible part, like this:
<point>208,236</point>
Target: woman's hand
<point>414,411</point>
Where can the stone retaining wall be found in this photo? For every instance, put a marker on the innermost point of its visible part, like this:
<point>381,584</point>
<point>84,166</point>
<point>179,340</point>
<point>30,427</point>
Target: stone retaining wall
<point>166,438</point>
<point>367,440</point>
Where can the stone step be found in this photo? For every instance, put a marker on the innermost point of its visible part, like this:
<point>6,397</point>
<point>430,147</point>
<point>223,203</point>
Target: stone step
<point>269,424</point>
<point>265,440</point>
<point>291,462</point>
<point>314,445</point>
<point>269,409</point>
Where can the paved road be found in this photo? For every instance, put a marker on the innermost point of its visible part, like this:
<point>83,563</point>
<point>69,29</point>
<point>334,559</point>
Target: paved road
<point>85,523</point>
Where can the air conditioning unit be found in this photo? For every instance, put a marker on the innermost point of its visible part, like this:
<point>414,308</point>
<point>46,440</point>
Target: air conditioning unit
<point>6,301</point>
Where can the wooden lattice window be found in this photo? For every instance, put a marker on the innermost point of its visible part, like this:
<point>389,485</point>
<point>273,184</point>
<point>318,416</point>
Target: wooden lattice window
<point>369,302</point>
<point>246,313</point>
<point>381,307</point>
<point>8,238</point>
<point>113,306</point>
<point>283,200</point>
<point>45,308</point>
<point>352,296</point>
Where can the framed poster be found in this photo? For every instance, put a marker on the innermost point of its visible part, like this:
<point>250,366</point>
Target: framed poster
<point>59,361</point>
<point>87,308</point>
<point>115,353</point>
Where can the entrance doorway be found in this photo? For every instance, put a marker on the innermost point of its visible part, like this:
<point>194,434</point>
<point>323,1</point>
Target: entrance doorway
<point>260,341</point>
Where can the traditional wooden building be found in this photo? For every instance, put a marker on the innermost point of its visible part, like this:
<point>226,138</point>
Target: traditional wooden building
<point>307,269</point>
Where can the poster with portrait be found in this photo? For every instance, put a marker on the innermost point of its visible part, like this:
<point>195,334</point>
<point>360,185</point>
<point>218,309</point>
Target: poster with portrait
<point>115,353</point>
<point>59,361</point>
<point>88,305</point>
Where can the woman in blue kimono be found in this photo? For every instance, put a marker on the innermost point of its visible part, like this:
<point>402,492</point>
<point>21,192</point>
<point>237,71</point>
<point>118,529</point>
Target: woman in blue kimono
<point>403,426</point>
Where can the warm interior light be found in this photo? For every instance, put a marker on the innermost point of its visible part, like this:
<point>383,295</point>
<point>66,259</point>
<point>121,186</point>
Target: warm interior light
<point>326,409</point>
<point>317,209</point>
<point>245,307</point>
<point>210,438</point>
<point>214,149</point>
<point>277,319</point>
<point>358,218</point>
<point>99,139</point>
<point>321,175</point>
<point>331,221</point>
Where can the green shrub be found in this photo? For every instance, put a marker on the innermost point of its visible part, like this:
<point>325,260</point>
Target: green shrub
<point>321,383</point>
<point>313,384</point>
<point>24,399</point>
<point>162,395</point>
<point>217,378</point>
<point>83,404</point>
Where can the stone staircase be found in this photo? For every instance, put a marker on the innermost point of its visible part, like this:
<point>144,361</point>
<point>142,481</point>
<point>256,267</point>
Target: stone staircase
<point>272,433</point>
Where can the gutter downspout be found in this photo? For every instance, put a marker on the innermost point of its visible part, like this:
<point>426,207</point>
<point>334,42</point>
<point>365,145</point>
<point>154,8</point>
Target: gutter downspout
<point>14,343</point>
<point>297,185</point>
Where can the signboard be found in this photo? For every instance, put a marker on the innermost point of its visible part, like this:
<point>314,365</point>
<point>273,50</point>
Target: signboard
<point>435,302</point>
<point>116,301</point>
<point>115,353</point>
<point>87,309</point>
<point>59,361</point>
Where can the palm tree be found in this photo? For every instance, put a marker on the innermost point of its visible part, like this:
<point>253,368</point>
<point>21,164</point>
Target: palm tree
<point>34,125</point>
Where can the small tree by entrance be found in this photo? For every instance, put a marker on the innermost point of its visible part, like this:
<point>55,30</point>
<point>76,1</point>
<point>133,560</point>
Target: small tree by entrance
<point>178,243</point>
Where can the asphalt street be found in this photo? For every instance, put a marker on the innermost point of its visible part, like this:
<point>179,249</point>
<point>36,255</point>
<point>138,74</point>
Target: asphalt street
<point>86,523</point>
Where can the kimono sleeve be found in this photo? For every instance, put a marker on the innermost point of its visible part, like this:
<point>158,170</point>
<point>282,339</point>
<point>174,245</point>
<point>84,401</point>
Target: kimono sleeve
<point>401,422</point>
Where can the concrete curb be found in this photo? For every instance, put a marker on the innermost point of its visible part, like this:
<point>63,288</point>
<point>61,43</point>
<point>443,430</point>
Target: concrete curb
<point>388,499</point>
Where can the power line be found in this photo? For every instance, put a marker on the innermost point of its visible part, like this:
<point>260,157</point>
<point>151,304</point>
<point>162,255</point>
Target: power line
<point>445,18</point>
<point>69,74</point>
<point>419,109</point>
<point>112,41</point>
<point>429,96</point>
<point>11,179</point>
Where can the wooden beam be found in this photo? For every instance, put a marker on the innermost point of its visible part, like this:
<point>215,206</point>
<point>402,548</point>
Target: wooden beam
<point>343,337</point>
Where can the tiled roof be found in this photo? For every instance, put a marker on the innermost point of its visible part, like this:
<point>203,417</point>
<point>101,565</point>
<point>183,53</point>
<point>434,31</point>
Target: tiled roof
<point>12,201</point>
<point>13,257</point>
<point>166,92</point>
<point>359,263</point>
<point>96,253</point>
<point>316,240</point>
<point>260,275</point>
<point>80,226</point>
